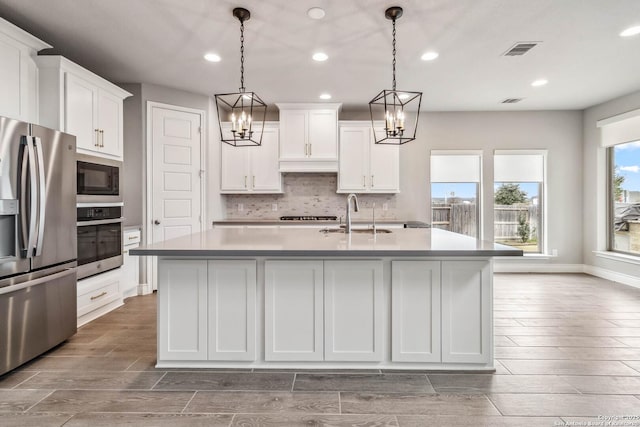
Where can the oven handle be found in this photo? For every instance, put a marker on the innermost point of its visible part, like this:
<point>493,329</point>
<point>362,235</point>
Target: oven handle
<point>99,222</point>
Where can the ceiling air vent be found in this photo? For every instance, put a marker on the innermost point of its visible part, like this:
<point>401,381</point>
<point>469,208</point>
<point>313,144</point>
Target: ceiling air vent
<point>511,100</point>
<point>521,48</point>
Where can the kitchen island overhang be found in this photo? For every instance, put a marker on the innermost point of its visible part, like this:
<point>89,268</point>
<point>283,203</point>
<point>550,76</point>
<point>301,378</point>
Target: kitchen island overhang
<point>298,298</point>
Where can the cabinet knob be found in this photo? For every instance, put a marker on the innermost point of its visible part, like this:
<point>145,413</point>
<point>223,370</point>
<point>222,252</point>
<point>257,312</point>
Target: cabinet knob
<point>156,222</point>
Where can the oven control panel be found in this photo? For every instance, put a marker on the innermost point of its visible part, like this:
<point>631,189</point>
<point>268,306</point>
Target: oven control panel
<point>99,212</point>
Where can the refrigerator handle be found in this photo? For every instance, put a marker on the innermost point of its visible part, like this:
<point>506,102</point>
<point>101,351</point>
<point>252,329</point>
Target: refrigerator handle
<point>42,194</point>
<point>29,160</point>
<point>22,195</point>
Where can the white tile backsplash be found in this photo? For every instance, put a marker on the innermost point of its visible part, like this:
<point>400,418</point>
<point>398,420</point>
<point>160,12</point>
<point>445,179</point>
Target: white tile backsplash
<point>308,194</point>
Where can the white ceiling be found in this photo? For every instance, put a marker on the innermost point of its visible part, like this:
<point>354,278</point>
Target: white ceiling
<point>163,41</point>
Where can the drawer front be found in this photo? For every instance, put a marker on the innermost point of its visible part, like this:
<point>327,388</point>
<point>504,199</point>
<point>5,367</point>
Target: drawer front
<point>131,237</point>
<point>97,298</point>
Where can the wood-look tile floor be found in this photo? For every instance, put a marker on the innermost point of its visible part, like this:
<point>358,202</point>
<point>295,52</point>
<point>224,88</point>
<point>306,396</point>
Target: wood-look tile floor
<point>567,350</point>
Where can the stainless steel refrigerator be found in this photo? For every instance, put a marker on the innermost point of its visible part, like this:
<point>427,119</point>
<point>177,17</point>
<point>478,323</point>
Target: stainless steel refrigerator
<point>37,240</point>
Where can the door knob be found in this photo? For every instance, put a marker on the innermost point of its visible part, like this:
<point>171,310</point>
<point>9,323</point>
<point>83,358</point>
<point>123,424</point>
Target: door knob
<point>156,222</point>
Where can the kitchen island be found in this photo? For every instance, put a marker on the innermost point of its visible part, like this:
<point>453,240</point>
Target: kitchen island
<point>301,298</point>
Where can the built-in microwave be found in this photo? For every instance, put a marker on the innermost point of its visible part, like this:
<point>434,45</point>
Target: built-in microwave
<point>98,179</point>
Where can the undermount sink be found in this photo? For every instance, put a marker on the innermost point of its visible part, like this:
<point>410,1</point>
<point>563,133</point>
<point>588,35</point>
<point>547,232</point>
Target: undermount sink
<point>356,230</point>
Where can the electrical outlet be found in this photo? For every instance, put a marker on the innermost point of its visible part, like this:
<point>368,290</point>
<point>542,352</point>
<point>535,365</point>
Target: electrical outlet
<point>554,252</point>
<point>240,207</point>
<point>274,207</point>
<point>385,206</point>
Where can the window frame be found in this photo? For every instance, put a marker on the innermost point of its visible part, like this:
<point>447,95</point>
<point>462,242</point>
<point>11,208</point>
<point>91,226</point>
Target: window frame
<point>543,199</point>
<point>479,185</point>
<point>610,159</point>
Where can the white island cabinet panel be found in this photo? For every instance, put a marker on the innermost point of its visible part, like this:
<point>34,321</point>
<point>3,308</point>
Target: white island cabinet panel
<point>354,311</point>
<point>466,314</point>
<point>232,310</point>
<point>294,310</point>
<point>415,311</point>
<point>182,293</point>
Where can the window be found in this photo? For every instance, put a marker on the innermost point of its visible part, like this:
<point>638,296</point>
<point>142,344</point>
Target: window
<point>518,199</point>
<point>455,191</point>
<point>621,136</point>
<point>624,196</point>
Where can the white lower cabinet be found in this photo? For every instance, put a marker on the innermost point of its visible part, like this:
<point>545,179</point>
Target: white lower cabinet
<point>182,298</point>
<point>209,310</point>
<point>415,311</point>
<point>130,264</point>
<point>232,310</point>
<point>294,310</point>
<point>353,311</point>
<point>466,317</point>
<point>98,295</point>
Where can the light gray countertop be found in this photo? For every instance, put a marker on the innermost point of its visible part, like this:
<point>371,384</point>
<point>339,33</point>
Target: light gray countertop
<point>285,241</point>
<point>318,223</point>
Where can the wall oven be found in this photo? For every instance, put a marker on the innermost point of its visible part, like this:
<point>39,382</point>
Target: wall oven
<point>99,239</point>
<point>98,180</point>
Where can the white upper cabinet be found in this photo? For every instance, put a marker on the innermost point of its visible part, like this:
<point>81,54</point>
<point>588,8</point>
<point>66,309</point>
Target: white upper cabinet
<point>18,73</point>
<point>252,169</point>
<point>366,167</point>
<point>309,137</point>
<point>76,101</point>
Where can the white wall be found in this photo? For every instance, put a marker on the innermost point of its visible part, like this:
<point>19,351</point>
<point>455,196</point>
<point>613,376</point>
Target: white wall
<point>595,188</point>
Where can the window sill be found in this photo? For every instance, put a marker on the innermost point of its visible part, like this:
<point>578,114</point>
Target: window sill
<point>615,256</point>
<point>531,257</point>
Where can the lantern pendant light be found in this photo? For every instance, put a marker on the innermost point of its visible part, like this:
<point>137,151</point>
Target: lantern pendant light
<point>391,106</point>
<point>237,112</point>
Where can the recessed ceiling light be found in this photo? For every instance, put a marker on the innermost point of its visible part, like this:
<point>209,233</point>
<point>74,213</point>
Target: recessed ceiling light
<point>631,31</point>
<point>320,56</point>
<point>316,13</point>
<point>429,56</point>
<point>325,96</point>
<point>539,82</point>
<point>403,96</point>
<point>212,57</point>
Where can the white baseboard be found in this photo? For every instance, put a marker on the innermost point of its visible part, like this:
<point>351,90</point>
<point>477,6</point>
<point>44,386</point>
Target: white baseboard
<point>536,267</point>
<point>144,289</point>
<point>614,276</point>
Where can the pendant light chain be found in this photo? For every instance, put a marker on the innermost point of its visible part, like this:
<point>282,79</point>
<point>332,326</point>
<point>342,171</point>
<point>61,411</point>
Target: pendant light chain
<point>394,54</point>
<point>242,88</point>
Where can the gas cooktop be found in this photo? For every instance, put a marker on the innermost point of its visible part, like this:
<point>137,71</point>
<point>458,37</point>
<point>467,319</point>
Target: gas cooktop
<point>309,218</point>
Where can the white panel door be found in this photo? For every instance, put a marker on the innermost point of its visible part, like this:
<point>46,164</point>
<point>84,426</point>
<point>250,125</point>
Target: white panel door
<point>175,175</point>
<point>293,310</point>
<point>232,310</point>
<point>323,134</point>
<point>80,106</point>
<point>354,311</point>
<point>294,130</point>
<point>182,301</point>
<point>10,79</point>
<point>384,171</point>
<point>234,168</point>
<point>109,117</point>
<point>265,167</point>
<point>353,161</point>
<point>415,311</point>
<point>466,312</point>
